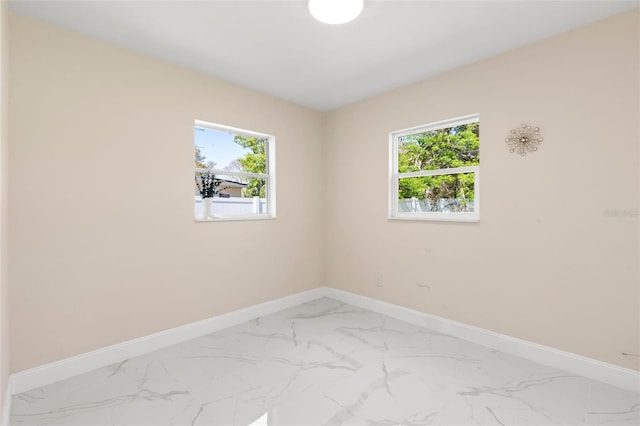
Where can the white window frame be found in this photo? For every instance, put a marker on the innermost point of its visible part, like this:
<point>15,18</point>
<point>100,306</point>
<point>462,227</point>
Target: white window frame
<point>270,176</point>
<point>395,176</point>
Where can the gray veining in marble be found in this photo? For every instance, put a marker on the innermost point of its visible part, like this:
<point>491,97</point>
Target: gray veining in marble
<point>326,363</point>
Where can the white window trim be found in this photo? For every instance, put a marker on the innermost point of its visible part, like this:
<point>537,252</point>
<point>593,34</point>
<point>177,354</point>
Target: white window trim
<point>270,177</point>
<point>394,176</point>
<point>233,173</point>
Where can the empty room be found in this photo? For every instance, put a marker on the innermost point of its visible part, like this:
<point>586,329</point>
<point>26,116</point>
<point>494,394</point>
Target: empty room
<point>319,212</point>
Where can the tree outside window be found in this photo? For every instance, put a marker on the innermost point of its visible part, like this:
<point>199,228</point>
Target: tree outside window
<point>436,170</point>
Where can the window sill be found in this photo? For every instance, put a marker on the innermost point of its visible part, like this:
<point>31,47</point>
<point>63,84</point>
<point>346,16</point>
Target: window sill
<point>236,218</point>
<point>420,218</point>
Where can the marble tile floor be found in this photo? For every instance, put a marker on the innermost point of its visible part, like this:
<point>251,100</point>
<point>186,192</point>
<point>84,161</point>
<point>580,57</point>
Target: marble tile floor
<point>326,363</point>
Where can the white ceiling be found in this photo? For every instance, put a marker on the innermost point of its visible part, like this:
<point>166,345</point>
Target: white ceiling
<point>276,47</point>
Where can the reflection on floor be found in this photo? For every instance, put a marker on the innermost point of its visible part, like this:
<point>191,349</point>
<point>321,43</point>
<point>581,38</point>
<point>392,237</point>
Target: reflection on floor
<point>326,363</point>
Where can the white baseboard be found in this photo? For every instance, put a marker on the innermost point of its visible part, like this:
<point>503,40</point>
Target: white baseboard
<point>587,367</point>
<point>6,407</point>
<point>26,380</point>
<point>43,375</point>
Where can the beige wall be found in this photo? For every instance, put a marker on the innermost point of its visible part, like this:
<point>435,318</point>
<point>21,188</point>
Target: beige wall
<point>554,259</point>
<point>4,141</point>
<point>100,251</point>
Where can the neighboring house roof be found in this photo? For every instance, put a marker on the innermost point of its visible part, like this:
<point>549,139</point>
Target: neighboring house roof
<point>232,184</point>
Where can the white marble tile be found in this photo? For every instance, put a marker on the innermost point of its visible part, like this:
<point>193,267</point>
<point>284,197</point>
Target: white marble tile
<point>326,363</point>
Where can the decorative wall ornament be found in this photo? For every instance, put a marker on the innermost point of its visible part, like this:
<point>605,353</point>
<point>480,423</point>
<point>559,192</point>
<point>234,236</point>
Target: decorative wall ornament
<point>524,139</point>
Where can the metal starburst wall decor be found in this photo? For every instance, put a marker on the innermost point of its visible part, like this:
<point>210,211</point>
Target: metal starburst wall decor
<point>524,139</point>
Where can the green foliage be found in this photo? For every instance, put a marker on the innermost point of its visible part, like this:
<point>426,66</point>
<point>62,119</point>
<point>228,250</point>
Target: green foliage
<point>200,158</point>
<point>207,184</point>
<point>457,146</point>
<point>254,162</point>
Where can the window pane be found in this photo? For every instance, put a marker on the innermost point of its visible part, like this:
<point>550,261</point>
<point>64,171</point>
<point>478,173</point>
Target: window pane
<point>450,147</point>
<point>439,193</point>
<point>224,150</point>
<point>229,196</point>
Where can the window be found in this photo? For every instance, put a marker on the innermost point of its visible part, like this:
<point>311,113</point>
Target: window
<point>435,171</point>
<point>234,173</point>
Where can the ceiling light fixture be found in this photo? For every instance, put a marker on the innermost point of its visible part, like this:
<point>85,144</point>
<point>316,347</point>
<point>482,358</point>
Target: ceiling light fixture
<point>335,11</point>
